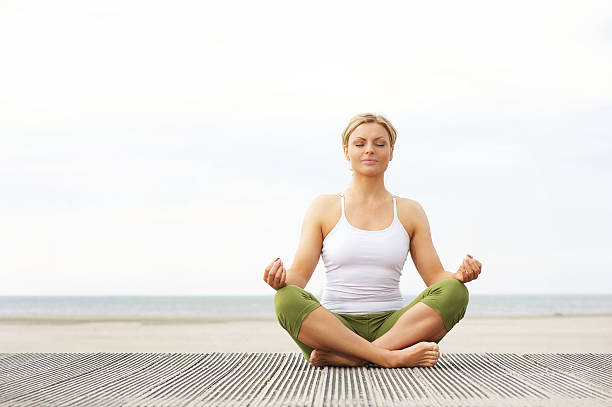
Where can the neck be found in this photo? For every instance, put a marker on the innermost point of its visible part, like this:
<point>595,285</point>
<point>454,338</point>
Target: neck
<point>368,189</point>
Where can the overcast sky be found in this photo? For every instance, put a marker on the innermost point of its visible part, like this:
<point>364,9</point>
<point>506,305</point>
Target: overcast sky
<point>173,147</point>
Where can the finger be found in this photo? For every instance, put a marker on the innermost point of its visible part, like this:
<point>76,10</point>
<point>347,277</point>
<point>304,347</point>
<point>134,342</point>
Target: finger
<point>464,269</point>
<point>279,276</point>
<point>477,268</point>
<point>469,270</point>
<point>267,270</point>
<point>272,263</point>
<point>477,264</point>
<point>473,267</point>
<point>279,273</point>
<point>273,272</point>
<point>284,279</point>
<point>466,274</point>
<point>270,277</point>
<point>463,265</point>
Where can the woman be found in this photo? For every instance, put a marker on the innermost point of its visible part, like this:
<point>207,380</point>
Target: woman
<point>364,236</point>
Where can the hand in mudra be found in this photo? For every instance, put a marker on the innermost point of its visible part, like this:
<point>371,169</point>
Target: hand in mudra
<point>469,270</point>
<point>276,275</point>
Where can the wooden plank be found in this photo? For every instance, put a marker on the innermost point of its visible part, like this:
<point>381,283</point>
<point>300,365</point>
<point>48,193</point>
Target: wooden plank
<point>286,379</point>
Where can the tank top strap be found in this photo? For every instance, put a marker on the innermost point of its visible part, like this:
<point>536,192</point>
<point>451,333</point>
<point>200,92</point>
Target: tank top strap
<point>342,204</point>
<point>394,208</point>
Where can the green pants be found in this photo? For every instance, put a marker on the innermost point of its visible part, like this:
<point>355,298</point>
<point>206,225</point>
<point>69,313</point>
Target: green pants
<point>292,304</point>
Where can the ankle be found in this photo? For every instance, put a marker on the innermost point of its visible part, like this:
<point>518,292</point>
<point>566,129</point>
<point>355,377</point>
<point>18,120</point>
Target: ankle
<point>389,359</point>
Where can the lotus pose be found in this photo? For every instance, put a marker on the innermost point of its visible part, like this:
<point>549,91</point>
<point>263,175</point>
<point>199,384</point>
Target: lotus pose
<point>364,235</point>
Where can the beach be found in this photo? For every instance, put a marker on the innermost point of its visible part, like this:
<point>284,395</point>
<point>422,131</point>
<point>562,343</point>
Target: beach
<point>518,334</point>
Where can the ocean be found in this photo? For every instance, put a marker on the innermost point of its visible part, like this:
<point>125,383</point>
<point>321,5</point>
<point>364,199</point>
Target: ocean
<point>262,307</point>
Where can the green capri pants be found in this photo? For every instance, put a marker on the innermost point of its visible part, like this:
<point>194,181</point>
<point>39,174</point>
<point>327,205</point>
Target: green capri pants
<point>292,304</point>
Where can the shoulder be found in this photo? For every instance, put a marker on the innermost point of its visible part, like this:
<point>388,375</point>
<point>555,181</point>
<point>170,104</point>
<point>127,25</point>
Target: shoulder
<point>324,201</point>
<point>327,198</point>
<point>324,211</point>
<point>411,213</point>
<point>408,206</point>
<point>321,205</point>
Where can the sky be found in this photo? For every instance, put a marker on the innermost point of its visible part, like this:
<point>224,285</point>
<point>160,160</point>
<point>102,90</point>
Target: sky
<point>172,148</point>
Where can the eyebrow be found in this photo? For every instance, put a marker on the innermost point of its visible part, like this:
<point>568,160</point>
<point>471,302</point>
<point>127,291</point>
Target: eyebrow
<point>359,137</point>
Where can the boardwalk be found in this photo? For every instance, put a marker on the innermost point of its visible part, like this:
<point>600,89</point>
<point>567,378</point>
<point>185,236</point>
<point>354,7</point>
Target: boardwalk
<point>285,379</point>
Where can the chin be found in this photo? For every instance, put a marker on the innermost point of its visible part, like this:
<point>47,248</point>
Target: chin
<point>369,173</point>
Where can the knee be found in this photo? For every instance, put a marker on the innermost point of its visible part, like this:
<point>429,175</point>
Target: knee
<point>456,293</point>
<point>284,297</point>
<point>453,301</point>
<point>285,301</point>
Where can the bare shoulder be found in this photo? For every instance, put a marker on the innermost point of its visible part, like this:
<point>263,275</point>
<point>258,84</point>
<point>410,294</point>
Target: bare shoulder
<point>325,208</point>
<point>324,202</point>
<point>326,198</point>
<point>410,214</point>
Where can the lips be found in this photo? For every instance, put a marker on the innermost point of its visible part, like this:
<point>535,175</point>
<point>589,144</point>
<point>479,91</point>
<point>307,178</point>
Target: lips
<point>369,161</point>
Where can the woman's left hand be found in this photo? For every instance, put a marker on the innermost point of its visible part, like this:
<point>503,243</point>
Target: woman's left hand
<point>469,270</point>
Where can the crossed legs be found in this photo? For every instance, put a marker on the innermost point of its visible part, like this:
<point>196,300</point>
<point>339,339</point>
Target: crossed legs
<point>408,343</point>
<point>410,335</point>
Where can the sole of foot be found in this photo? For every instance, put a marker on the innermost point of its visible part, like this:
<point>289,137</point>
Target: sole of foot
<point>424,354</point>
<point>321,358</point>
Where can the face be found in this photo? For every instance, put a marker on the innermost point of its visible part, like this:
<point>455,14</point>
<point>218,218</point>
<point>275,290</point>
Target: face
<point>369,149</point>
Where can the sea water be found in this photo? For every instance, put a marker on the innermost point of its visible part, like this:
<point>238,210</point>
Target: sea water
<point>263,306</point>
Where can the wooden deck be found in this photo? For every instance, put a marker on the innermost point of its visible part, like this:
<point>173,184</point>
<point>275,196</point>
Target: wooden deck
<point>285,379</point>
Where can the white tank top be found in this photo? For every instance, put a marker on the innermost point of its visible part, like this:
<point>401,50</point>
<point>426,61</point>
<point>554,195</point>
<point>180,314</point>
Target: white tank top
<point>363,267</point>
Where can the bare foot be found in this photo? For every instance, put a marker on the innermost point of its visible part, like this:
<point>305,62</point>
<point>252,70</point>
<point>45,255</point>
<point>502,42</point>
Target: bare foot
<point>419,354</point>
<point>325,358</point>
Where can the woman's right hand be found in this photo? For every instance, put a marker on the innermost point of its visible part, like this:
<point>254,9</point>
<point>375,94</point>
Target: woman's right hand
<point>276,275</point>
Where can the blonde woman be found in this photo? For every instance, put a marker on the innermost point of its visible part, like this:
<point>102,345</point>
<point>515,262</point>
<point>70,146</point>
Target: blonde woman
<point>364,235</point>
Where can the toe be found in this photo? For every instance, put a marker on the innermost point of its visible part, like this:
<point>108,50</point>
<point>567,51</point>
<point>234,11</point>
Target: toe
<point>314,357</point>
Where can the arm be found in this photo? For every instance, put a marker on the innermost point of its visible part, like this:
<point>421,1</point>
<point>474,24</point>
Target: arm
<point>308,253</point>
<point>422,250</point>
<point>310,245</point>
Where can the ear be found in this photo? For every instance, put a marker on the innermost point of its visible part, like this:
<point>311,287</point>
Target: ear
<point>391,156</point>
<point>345,148</point>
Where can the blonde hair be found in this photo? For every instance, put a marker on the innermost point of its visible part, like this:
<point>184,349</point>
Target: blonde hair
<point>362,118</point>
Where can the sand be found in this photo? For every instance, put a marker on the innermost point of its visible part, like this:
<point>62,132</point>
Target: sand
<point>554,334</point>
